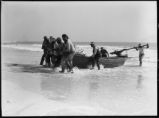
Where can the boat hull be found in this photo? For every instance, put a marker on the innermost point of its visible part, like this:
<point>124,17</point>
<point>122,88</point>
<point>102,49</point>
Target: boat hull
<point>82,61</point>
<point>112,62</point>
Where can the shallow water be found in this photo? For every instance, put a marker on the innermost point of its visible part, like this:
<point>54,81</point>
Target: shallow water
<point>125,90</point>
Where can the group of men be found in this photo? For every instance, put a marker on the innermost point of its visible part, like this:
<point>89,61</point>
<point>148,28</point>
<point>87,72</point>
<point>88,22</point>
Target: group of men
<point>97,54</point>
<point>104,53</point>
<point>58,51</point>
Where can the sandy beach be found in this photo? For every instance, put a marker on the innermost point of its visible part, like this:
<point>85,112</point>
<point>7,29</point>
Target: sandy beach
<point>121,88</point>
<point>29,89</point>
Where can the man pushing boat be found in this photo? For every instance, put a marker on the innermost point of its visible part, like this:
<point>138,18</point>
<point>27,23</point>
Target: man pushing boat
<point>95,56</point>
<point>45,49</point>
<point>104,52</point>
<point>68,54</point>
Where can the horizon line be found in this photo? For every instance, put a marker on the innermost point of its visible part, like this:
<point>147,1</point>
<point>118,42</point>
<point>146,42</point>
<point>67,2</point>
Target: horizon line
<point>77,42</point>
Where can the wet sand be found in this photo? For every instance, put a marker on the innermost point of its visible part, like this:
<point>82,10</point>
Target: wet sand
<point>31,90</point>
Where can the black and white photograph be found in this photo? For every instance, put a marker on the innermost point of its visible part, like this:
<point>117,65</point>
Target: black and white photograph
<point>79,58</point>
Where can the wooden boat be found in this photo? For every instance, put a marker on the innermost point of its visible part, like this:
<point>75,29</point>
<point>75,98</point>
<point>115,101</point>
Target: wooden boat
<point>82,61</point>
<point>112,62</point>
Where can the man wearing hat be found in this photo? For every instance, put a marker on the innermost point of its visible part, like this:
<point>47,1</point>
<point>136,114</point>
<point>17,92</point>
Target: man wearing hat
<point>95,56</point>
<point>141,52</point>
<point>68,54</point>
<point>44,47</point>
<point>51,51</point>
<point>59,51</point>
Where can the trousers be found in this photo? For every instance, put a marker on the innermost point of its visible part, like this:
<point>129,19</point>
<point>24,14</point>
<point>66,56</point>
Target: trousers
<point>67,61</point>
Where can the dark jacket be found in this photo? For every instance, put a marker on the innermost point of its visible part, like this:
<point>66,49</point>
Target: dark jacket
<point>45,44</point>
<point>96,53</point>
<point>104,53</point>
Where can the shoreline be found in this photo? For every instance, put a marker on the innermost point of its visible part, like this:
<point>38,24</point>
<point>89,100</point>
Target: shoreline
<point>153,46</point>
<point>28,89</point>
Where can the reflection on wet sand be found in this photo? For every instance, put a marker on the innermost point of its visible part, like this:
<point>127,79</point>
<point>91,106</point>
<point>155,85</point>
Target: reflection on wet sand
<point>55,88</point>
<point>93,89</point>
<point>29,68</point>
<point>94,86</point>
<point>65,89</point>
<point>139,82</point>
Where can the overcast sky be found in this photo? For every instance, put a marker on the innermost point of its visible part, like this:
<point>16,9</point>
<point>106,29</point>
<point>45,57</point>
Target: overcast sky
<point>82,21</point>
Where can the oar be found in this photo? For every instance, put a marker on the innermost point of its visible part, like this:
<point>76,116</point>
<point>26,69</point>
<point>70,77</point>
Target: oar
<point>130,48</point>
<point>142,46</point>
<point>121,50</point>
<point>146,45</point>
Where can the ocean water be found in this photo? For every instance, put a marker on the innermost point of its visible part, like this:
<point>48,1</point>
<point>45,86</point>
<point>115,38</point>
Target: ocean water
<point>125,90</point>
<point>150,54</point>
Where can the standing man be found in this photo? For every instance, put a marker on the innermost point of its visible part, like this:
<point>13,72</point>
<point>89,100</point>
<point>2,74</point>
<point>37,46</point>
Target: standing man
<point>95,56</point>
<point>141,52</point>
<point>59,51</point>
<point>68,54</point>
<point>51,51</point>
<point>45,45</point>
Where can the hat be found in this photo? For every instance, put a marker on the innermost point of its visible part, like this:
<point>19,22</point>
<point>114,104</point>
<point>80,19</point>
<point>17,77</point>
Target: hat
<point>59,39</point>
<point>52,39</point>
<point>139,44</point>
<point>92,43</point>
<point>45,36</point>
<point>65,35</point>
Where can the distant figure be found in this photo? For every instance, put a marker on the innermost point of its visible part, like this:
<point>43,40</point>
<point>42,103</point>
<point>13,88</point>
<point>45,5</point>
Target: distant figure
<point>104,52</point>
<point>141,52</point>
<point>95,56</point>
<point>44,47</point>
<point>68,54</point>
